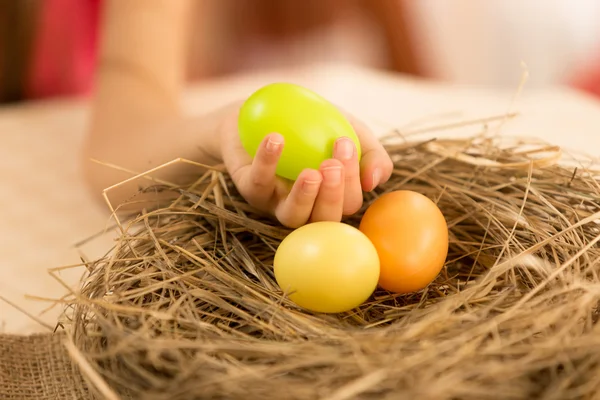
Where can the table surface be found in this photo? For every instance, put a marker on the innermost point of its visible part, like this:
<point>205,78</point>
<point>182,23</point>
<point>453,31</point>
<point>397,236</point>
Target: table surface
<point>45,208</point>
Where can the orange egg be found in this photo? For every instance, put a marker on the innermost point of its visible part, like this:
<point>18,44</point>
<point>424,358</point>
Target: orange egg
<point>411,237</point>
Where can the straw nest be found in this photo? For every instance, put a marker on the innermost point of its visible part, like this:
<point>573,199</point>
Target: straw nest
<point>186,305</point>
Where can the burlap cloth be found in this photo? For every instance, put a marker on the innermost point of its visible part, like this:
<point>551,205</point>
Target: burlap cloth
<point>38,367</point>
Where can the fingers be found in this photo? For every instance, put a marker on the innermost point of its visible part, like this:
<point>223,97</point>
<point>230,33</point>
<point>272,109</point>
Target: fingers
<point>345,151</point>
<point>329,204</point>
<point>375,165</point>
<point>264,166</point>
<point>375,170</point>
<point>257,181</point>
<point>336,189</point>
<point>316,196</point>
<point>297,208</point>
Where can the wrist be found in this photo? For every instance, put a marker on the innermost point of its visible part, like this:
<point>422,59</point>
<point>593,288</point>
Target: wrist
<point>208,131</point>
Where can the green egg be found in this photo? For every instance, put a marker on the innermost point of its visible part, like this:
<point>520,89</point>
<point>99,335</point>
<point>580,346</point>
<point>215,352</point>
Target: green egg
<point>309,124</point>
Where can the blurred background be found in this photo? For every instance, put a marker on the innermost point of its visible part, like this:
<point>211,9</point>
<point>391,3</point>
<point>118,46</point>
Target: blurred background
<point>48,50</point>
<point>48,47</point>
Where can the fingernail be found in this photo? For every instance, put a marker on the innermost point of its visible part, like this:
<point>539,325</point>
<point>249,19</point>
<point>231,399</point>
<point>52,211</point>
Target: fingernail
<point>310,187</point>
<point>273,144</point>
<point>344,149</point>
<point>333,175</point>
<point>376,177</point>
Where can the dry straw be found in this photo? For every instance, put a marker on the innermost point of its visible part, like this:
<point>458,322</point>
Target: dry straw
<point>186,306</point>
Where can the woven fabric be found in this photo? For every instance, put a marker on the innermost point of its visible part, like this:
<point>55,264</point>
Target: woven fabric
<point>38,367</point>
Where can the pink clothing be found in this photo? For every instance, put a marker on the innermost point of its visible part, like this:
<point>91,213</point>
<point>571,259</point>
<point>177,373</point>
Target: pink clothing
<point>64,50</point>
<point>588,80</point>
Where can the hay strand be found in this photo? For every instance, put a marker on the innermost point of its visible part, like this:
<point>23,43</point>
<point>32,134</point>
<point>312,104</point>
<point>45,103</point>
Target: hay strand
<point>186,305</point>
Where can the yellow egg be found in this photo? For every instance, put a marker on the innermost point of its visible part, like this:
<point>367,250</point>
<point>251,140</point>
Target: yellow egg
<point>327,267</point>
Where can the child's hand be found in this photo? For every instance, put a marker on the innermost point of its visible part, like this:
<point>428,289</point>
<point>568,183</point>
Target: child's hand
<point>317,195</point>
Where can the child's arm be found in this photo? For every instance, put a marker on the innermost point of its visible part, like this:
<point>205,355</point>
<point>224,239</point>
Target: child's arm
<point>136,120</point>
<point>137,124</point>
